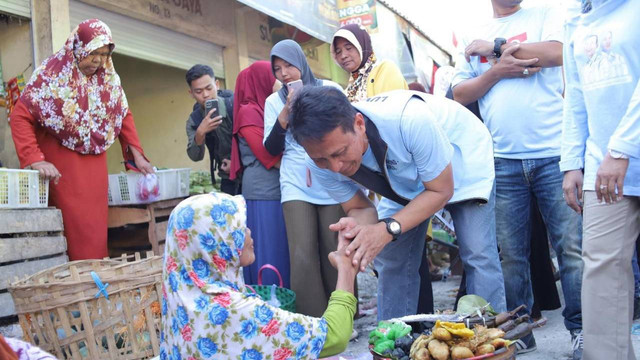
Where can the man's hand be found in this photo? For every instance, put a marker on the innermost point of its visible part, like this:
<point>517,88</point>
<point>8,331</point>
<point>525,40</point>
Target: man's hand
<point>366,245</point>
<point>225,166</point>
<point>206,126</point>
<point>478,48</point>
<point>572,189</point>
<point>610,176</point>
<point>347,228</point>
<point>509,67</point>
<point>47,170</point>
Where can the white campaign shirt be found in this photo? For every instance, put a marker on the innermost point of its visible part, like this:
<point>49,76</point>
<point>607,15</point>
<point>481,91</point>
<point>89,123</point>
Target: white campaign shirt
<point>524,115</point>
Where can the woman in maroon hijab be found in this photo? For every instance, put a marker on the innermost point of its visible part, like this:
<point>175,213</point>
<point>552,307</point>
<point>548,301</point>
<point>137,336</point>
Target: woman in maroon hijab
<point>261,185</point>
<point>71,111</point>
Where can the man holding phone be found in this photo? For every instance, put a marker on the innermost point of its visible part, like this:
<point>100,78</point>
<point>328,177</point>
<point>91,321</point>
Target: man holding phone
<point>211,124</point>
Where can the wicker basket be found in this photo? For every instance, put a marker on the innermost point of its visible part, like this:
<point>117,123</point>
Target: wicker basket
<point>64,311</point>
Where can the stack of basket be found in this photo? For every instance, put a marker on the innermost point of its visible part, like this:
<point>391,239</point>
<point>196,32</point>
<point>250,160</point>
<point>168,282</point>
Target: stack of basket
<point>71,312</point>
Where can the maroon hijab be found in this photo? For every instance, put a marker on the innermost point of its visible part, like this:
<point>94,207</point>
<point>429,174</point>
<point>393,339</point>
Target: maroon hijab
<point>253,86</point>
<point>361,36</point>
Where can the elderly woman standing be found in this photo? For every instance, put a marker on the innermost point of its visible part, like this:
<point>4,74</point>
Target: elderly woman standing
<point>70,113</point>
<point>262,190</point>
<point>206,311</point>
<point>351,49</point>
<point>308,208</point>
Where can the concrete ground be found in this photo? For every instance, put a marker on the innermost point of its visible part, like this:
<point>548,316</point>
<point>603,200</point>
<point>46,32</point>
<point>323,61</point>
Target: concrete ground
<point>553,340</point>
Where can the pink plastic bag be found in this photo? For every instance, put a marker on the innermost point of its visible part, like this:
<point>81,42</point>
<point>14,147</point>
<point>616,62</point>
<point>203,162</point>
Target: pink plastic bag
<point>148,188</point>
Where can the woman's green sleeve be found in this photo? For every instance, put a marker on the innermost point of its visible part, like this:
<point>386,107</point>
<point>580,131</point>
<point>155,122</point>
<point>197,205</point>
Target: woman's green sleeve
<point>339,317</point>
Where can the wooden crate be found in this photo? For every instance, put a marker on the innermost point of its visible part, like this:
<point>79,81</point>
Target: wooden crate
<point>31,240</point>
<point>154,215</point>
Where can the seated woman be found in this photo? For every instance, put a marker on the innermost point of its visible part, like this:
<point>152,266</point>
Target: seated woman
<point>207,313</point>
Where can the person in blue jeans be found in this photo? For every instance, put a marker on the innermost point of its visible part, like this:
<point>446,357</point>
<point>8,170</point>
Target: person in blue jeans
<point>421,153</point>
<point>513,67</point>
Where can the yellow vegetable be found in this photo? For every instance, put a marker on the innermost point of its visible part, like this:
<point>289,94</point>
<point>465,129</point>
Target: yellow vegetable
<point>457,329</point>
<point>438,350</point>
<point>460,352</point>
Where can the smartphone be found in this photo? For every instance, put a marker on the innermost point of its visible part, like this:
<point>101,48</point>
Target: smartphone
<point>211,104</point>
<point>295,85</point>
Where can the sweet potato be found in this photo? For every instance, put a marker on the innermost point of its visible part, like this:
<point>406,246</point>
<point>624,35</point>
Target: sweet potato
<point>494,333</point>
<point>460,352</point>
<point>438,350</point>
<point>442,334</point>
<point>422,354</point>
<point>420,343</point>
<point>485,349</point>
<point>499,343</point>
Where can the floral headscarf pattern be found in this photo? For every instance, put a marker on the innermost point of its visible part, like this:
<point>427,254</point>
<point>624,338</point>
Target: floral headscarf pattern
<point>84,112</point>
<point>205,310</point>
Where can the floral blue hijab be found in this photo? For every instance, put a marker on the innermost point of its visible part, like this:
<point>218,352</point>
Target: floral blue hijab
<point>205,311</point>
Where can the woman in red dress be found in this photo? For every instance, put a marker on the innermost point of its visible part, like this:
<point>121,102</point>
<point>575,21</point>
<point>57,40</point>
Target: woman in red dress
<point>70,113</point>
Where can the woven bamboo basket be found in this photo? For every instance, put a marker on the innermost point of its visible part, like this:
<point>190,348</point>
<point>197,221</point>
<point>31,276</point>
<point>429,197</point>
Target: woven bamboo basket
<point>64,310</point>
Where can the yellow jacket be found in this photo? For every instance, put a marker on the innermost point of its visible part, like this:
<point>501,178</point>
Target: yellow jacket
<point>385,76</point>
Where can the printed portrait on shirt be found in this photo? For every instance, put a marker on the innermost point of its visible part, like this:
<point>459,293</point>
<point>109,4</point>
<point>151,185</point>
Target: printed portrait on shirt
<point>604,67</point>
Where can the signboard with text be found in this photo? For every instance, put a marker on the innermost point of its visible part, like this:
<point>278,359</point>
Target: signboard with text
<point>361,12</point>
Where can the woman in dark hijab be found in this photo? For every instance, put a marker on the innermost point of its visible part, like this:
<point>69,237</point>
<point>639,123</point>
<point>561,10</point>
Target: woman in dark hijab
<point>351,49</point>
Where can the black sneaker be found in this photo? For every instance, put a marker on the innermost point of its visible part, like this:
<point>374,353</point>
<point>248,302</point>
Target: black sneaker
<point>577,343</point>
<point>526,344</point>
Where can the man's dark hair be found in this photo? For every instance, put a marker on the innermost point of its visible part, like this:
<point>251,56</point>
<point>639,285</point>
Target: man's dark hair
<point>317,111</point>
<point>197,71</point>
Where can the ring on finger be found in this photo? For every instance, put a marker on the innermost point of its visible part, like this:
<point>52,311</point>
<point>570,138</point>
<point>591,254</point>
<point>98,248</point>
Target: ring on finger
<point>603,187</point>
<point>525,72</point>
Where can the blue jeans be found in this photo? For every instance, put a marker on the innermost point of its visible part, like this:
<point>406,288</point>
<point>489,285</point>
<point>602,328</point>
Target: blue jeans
<point>398,277</point>
<point>516,182</point>
<point>475,226</point>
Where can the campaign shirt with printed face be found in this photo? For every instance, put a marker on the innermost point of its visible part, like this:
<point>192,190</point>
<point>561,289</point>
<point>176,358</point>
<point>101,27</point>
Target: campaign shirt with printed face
<point>602,65</point>
<point>524,115</point>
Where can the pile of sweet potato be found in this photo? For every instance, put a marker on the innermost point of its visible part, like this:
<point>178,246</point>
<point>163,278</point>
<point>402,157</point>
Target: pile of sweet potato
<point>455,341</point>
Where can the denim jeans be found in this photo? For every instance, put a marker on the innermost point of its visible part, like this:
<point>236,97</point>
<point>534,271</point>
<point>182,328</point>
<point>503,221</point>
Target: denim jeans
<point>475,226</point>
<point>398,277</point>
<point>516,182</point>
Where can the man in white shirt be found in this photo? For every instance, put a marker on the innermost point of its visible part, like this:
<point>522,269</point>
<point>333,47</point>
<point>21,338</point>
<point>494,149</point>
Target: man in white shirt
<point>513,69</point>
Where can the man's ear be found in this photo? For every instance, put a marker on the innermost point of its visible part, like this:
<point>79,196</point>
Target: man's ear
<point>358,123</point>
<point>217,85</point>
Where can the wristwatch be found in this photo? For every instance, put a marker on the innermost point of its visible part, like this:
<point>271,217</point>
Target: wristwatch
<point>497,44</point>
<point>393,227</point>
<point>617,154</point>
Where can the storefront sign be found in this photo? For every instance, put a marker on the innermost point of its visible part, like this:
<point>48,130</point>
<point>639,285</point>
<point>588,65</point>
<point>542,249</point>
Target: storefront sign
<point>203,19</point>
<point>317,18</point>
<point>361,12</point>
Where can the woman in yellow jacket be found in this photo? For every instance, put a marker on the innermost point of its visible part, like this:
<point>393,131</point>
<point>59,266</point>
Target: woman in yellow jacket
<point>351,49</point>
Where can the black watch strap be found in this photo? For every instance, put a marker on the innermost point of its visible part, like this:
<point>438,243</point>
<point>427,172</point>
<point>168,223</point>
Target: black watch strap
<point>393,227</point>
<point>497,44</point>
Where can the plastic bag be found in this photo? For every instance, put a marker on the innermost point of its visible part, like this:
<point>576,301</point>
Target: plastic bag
<point>148,188</point>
